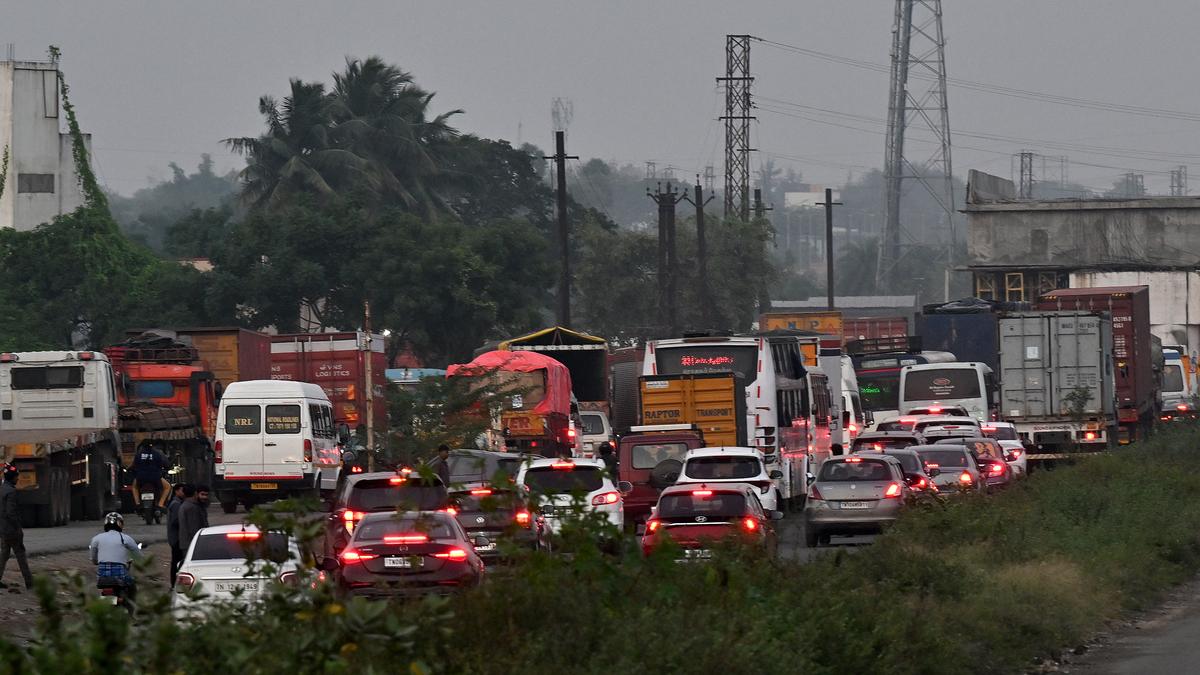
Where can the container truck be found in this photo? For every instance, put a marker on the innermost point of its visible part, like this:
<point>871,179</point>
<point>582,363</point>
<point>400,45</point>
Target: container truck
<point>58,425</point>
<point>338,363</point>
<point>967,328</point>
<point>1057,383</point>
<point>873,327</point>
<point>585,356</point>
<point>712,403</point>
<point>1136,366</point>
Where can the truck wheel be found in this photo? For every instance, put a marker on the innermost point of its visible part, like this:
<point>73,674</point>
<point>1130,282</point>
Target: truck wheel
<point>95,494</point>
<point>229,506</point>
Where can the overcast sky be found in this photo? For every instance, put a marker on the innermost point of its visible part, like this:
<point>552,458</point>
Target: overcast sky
<point>161,81</point>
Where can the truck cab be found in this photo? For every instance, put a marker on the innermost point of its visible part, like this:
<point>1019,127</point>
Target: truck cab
<point>650,457</point>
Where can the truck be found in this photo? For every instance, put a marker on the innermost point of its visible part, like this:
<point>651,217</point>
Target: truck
<point>714,403</point>
<point>822,323</point>
<point>232,354</point>
<point>967,328</point>
<point>873,327</point>
<point>585,356</point>
<point>624,369</point>
<point>1174,302</point>
<point>1057,381</point>
<point>337,362</point>
<point>58,425</point>
<point>1136,357</point>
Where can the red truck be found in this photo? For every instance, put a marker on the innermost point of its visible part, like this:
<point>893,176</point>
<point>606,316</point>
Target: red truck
<point>1134,349</point>
<point>338,363</point>
<point>873,327</point>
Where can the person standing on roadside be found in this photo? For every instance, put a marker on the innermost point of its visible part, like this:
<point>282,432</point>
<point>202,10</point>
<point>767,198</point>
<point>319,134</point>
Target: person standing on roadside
<point>12,537</point>
<point>441,465</point>
<point>178,494</point>
<point>193,515</point>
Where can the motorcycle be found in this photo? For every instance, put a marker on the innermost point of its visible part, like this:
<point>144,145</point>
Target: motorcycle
<point>115,591</point>
<point>148,504</point>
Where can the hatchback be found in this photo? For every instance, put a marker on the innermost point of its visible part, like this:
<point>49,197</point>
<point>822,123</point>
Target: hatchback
<point>952,466</point>
<point>731,465</point>
<point>856,494</point>
<point>990,457</point>
<point>217,567</point>
<point>697,517</point>
<point>559,490</point>
<point>409,553</point>
<point>379,491</point>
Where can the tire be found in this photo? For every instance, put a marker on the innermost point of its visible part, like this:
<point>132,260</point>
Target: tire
<point>94,495</point>
<point>229,507</point>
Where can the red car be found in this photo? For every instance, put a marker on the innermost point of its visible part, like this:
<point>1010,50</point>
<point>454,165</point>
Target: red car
<point>695,517</point>
<point>411,553</point>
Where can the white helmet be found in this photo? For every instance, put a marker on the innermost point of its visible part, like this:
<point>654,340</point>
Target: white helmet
<point>115,519</point>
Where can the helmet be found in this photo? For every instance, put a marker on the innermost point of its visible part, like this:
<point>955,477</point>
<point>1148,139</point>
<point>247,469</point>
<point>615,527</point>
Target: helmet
<point>10,472</point>
<point>113,519</point>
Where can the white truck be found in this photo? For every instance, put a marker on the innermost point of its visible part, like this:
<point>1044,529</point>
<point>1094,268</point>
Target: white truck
<point>58,425</point>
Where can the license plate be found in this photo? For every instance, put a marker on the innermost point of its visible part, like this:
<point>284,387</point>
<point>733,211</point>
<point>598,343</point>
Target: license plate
<point>232,586</point>
<point>697,554</point>
<point>490,547</point>
<point>856,505</point>
<point>397,562</point>
<point>147,496</point>
<point>264,486</point>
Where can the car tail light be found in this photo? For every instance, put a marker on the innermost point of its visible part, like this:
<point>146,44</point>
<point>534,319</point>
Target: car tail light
<point>184,582</point>
<point>405,539</point>
<point>816,494</point>
<point>934,410</point>
<point>921,483</point>
<point>217,455</point>
<point>853,460</point>
<point>701,493</point>
<point>750,524</point>
<point>571,434</point>
<point>456,554</point>
<point>289,579</point>
<point>481,492</point>
<point>606,498</point>
<point>563,466</point>
<point>853,427</point>
<point>356,469</point>
<point>1089,436</point>
<point>1182,407</point>
<point>965,478</point>
<point>652,525</point>
<point>351,518</point>
<point>449,510</point>
<point>892,491</point>
<point>522,518</point>
<point>397,480</point>
<point>350,556</point>
<point>986,428</point>
<point>243,535</point>
<point>308,449</point>
<point>997,469</point>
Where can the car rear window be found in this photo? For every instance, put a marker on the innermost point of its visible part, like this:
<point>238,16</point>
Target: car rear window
<point>550,481</point>
<point>381,495</point>
<point>944,458</point>
<point>909,462</point>
<point>470,468</point>
<point>593,425</point>
<point>432,527</point>
<point>649,456</point>
<point>1002,433</point>
<point>723,468</point>
<point>861,471</point>
<point>243,419</point>
<point>719,505</point>
<point>283,419</point>
<point>272,546</point>
<point>878,444</point>
<point>894,425</point>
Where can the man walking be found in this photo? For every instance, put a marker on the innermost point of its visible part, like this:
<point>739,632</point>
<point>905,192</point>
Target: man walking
<point>12,537</point>
<point>441,465</point>
<point>178,494</point>
<point>193,515</point>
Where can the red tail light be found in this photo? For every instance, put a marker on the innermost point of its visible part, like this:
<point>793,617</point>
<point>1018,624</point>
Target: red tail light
<point>892,491</point>
<point>750,524</point>
<point>350,556</point>
<point>449,510</point>
<point>351,518</point>
<point>853,460</point>
<point>1089,436</point>
<point>997,469</point>
<point>405,539</point>
<point>652,525</point>
<point>605,498</point>
<point>356,469</point>
<point>564,466</point>
<point>243,536</point>
<point>965,478</point>
<point>701,493</point>
<point>456,554</point>
<point>522,518</point>
<point>481,492</point>
<point>1182,407</point>
<point>217,451</point>
<point>184,582</point>
<point>921,483</point>
<point>397,480</point>
<point>571,434</point>
<point>308,450</point>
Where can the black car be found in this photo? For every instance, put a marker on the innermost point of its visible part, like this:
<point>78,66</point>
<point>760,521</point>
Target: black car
<point>483,492</point>
<point>378,492</point>
<point>412,553</point>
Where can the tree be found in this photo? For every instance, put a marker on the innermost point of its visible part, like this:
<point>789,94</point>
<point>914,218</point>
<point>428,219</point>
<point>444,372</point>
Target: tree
<point>150,213</point>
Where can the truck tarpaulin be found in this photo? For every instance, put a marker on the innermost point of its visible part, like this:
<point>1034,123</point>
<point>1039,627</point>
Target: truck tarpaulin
<point>585,356</point>
<point>558,378</point>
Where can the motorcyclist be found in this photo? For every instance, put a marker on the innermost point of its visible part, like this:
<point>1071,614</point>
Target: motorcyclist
<point>112,550</point>
<point>150,467</point>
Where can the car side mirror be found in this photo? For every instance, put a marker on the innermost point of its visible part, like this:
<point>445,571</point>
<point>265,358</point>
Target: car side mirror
<point>811,479</point>
<point>330,564</point>
<point>775,515</point>
<point>624,487</point>
<point>481,542</point>
<point>775,474</point>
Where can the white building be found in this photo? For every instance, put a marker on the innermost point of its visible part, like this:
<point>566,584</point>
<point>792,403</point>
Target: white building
<point>41,182</point>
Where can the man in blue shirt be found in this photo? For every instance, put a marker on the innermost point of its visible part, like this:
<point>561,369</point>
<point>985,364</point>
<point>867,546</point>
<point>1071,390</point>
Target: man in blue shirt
<point>112,550</point>
<point>149,469</point>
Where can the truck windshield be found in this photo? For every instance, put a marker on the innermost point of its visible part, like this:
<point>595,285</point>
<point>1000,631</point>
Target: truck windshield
<point>879,390</point>
<point>1172,378</point>
<point>941,384</point>
<point>700,359</point>
<point>144,389</point>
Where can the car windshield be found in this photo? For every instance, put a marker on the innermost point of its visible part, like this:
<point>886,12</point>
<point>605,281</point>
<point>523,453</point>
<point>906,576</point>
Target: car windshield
<point>879,444</point>
<point>430,526</point>
<point>549,480</point>
<point>1172,378</point>
<point>715,506</point>
<point>944,458</point>
<point>1002,433</point>
<point>723,468</point>
<point>908,461</point>
<point>272,546</point>
<point>863,470</point>
<point>648,456</point>
<point>382,495</point>
<point>593,425</point>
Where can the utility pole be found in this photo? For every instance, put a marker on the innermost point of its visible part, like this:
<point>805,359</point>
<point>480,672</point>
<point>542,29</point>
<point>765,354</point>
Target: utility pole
<point>829,204</point>
<point>667,271</point>
<point>560,158</point>
<point>760,209</point>
<point>737,126</point>
<point>702,252</point>
<point>370,389</point>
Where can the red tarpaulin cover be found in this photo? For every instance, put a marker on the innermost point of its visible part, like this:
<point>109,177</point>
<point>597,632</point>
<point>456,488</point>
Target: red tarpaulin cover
<point>558,378</point>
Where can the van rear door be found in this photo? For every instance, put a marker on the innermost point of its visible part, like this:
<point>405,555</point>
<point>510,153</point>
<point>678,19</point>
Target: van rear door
<point>283,439</point>
<point>242,440</point>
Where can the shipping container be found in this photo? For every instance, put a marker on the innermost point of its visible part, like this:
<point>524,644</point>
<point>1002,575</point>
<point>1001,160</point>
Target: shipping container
<point>336,362</point>
<point>714,403</point>
<point>232,354</point>
<point>873,327</point>
<point>1174,302</point>
<point>825,323</point>
<point>970,337</point>
<point>1132,350</point>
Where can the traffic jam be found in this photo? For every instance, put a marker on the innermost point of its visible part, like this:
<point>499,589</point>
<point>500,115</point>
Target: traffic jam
<point>809,429</point>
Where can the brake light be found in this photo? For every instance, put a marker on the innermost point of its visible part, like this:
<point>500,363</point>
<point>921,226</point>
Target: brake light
<point>405,539</point>
<point>353,556</point>
<point>750,524</point>
<point>965,478</point>
<point>356,469</point>
<point>987,427</point>
<point>571,433</point>
<point>481,492</point>
<point>932,465</point>
<point>397,480</point>
<point>522,518</point>
<point>243,536</point>
<point>86,356</point>
<point>921,483</point>
<point>217,455</point>
<point>308,449</point>
<point>853,427</point>
<point>606,498</point>
<point>565,466</point>
<point>456,554</point>
<point>934,410</point>
<point>853,460</point>
<point>892,491</point>
<point>406,470</point>
<point>449,510</point>
<point>184,582</point>
<point>997,468</point>
<point>701,493</point>
<point>350,518</point>
<point>1182,407</point>
<point>1089,436</point>
<point>652,525</point>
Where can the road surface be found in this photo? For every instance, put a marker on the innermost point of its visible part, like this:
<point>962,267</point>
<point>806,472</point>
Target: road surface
<point>1162,641</point>
<point>77,535</point>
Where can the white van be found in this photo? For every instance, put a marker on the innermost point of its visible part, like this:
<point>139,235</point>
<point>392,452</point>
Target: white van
<point>275,439</point>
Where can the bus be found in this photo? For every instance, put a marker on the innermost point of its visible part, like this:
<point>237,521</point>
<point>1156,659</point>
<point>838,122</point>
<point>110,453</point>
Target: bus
<point>788,405</point>
<point>877,364</point>
<point>970,385</point>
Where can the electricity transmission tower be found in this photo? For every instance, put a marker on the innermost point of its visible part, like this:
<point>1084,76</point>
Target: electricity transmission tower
<point>1179,186</point>
<point>737,125</point>
<point>1026,181</point>
<point>562,111</point>
<point>917,98</point>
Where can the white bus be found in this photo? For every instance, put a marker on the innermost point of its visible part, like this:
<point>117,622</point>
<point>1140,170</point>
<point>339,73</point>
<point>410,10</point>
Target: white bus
<point>970,385</point>
<point>788,406</point>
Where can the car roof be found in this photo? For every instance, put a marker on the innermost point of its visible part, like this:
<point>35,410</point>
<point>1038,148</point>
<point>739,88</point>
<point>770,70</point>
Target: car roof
<point>384,475</point>
<point>231,527</point>
<point>739,488</point>
<point>945,419</point>
<point>722,450</point>
<point>941,446</point>
<point>272,389</point>
<point>578,461</point>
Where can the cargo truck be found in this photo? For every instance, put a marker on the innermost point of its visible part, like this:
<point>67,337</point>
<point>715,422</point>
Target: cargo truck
<point>585,356</point>
<point>338,363</point>
<point>1057,383</point>
<point>713,403</point>
<point>873,327</point>
<point>58,425</point>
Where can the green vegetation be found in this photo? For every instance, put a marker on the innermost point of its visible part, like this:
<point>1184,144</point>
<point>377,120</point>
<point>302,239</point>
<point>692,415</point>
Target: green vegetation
<point>981,585</point>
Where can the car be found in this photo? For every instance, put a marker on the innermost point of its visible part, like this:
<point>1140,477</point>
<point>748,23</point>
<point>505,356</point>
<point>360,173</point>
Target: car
<point>365,493</point>
<point>989,456</point>
<point>919,479</point>
<point>878,441</point>
<point>933,425</point>
<point>696,516</point>
<point>409,553</point>
<point>493,510</point>
<point>470,467</point>
<point>1014,448</point>
<point>949,410</point>
<point>595,430</point>
<point>854,494</point>
<point>216,567</point>
<point>559,490</point>
<point>731,465</point>
<point>650,461</point>
<point>953,468</point>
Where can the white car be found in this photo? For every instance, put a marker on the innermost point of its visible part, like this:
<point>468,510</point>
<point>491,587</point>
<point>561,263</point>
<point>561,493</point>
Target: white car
<point>1005,433</point>
<point>942,426</point>
<point>216,567</point>
<point>731,465</point>
<point>556,488</point>
<point>596,430</point>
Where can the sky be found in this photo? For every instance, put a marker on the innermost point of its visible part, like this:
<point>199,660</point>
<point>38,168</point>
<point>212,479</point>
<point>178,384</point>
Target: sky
<point>156,82</point>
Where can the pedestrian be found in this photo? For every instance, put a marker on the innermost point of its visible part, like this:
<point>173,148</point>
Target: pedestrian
<point>12,537</point>
<point>441,465</point>
<point>610,458</point>
<point>193,516</point>
<point>178,494</point>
